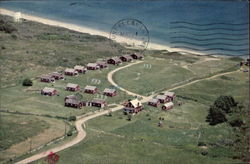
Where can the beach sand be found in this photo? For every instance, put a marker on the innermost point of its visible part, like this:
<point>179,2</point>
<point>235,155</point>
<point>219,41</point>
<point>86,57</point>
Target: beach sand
<point>82,29</point>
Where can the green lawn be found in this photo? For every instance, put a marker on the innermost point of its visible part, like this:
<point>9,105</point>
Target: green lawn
<point>143,80</point>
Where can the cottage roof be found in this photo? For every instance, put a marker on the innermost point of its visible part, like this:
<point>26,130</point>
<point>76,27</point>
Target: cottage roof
<point>127,56</point>
<point>71,85</point>
<point>138,55</point>
<point>136,103</point>
<point>169,104</point>
<point>170,94</point>
<point>162,97</point>
<point>101,101</point>
<point>79,67</point>
<point>46,77</point>
<point>72,101</point>
<point>89,87</point>
<point>47,89</point>
<point>117,59</point>
<point>69,70</point>
<point>101,63</point>
<point>55,74</point>
<point>71,97</point>
<point>153,100</point>
<point>91,65</point>
<point>109,90</point>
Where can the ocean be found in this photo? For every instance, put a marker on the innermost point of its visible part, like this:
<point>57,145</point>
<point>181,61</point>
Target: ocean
<point>207,26</point>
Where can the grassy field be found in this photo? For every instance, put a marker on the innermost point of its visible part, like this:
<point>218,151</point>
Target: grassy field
<point>159,73</point>
<point>185,136</point>
<point>19,132</point>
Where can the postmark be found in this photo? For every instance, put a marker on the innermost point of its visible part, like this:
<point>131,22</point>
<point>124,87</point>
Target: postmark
<point>130,33</point>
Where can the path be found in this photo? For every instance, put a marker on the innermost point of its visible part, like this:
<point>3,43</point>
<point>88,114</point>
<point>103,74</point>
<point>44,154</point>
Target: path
<point>81,120</point>
<point>110,79</point>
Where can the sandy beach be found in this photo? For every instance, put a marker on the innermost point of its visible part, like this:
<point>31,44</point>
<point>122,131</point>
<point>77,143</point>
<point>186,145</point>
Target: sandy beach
<point>83,29</point>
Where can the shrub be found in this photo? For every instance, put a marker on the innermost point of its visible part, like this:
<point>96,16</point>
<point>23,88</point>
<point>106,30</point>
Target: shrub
<point>27,82</point>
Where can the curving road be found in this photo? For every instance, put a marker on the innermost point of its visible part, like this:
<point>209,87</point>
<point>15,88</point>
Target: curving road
<point>82,119</point>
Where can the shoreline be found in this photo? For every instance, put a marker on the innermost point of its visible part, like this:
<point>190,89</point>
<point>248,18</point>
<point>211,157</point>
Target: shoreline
<point>83,29</point>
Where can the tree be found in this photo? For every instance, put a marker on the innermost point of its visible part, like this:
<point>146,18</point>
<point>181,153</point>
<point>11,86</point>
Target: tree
<point>218,112</point>
<point>27,82</point>
<point>215,115</point>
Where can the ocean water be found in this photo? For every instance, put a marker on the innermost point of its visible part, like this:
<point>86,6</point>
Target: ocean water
<point>208,26</point>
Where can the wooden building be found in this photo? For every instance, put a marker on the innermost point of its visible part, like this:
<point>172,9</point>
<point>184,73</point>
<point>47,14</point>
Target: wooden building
<point>80,69</point>
<point>70,72</point>
<point>90,89</point>
<point>162,98</point>
<point>168,106</point>
<point>102,64</point>
<point>132,106</point>
<point>126,58</point>
<point>48,91</point>
<point>114,61</point>
<point>137,56</point>
<point>47,79</point>
<point>154,102</point>
<point>74,103</point>
<point>92,66</point>
<point>56,75</point>
<point>109,92</point>
<point>72,87</point>
<point>170,95</point>
<point>98,103</point>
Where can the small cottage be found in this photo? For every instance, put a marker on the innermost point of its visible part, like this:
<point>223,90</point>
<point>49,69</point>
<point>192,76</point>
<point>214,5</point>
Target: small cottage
<point>92,66</point>
<point>71,102</point>
<point>170,95</point>
<point>162,98</point>
<point>90,89</point>
<point>154,102</point>
<point>72,87</point>
<point>102,64</point>
<point>70,72</point>
<point>126,58</point>
<point>137,56</point>
<point>98,103</point>
<point>168,106</point>
<point>47,79</point>
<point>109,92</point>
<point>132,106</point>
<point>114,61</point>
<point>48,91</point>
<point>80,69</point>
<point>56,75</point>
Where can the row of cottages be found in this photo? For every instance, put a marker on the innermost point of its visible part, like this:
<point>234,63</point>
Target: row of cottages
<point>52,77</point>
<point>132,106</point>
<point>48,91</point>
<point>71,101</point>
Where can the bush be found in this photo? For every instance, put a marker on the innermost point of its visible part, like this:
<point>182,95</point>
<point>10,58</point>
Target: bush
<point>27,82</point>
<point>72,118</point>
<point>222,106</point>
